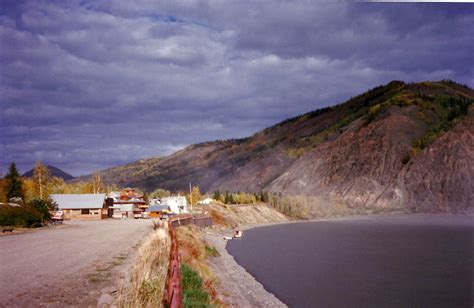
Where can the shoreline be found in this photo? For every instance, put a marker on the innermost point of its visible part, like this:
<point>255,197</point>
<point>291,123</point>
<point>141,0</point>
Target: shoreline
<point>239,288</point>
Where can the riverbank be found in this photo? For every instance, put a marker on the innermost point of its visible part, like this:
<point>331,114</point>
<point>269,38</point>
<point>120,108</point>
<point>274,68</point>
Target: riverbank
<point>230,284</point>
<point>237,288</point>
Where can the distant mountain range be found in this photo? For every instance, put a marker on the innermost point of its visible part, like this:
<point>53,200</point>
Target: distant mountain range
<point>54,172</point>
<point>405,146</point>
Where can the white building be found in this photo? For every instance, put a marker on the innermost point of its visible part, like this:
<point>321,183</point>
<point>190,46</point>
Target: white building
<point>206,201</point>
<point>177,204</point>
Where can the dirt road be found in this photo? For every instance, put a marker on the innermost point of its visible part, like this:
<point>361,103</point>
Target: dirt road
<point>74,264</point>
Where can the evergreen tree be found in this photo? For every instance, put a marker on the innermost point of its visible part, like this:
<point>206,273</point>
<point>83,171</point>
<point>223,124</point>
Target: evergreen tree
<point>13,187</point>
<point>226,198</point>
<point>217,195</point>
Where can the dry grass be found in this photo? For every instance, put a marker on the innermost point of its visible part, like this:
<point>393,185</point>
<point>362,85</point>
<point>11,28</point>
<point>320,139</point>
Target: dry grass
<point>218,217</point>
<point>235,214</point>
<point>148,275</point>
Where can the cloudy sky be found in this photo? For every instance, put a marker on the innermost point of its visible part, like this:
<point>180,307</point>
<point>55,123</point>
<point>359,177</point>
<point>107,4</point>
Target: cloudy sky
<point>86,85</point>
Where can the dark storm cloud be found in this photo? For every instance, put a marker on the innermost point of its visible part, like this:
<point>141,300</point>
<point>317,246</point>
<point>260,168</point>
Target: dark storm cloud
<point>91,84</point>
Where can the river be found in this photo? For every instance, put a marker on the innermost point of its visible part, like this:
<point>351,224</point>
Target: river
<point>409,261</point>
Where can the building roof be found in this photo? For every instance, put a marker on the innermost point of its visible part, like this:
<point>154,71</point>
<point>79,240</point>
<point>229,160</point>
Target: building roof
<point>157,208</point>
<point>79,201</point>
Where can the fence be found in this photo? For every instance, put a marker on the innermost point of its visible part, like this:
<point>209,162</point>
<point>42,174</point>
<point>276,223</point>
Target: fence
<point>183,220</point>
<point>173,281</point>
<point>173,296</point>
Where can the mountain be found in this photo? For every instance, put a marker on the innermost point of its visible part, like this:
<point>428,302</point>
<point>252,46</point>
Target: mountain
<point>397,146</point>
<point>54,172</point>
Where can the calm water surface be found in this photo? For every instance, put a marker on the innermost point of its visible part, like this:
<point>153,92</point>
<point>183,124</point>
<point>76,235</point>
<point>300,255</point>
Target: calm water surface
<point>415,261</point>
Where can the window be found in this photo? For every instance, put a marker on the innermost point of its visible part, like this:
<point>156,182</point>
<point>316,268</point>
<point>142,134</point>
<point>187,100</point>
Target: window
<point>85,211</point>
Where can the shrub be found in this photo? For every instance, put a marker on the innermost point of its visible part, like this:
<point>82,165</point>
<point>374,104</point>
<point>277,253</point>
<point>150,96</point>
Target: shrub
<point>212,251</point>
<point>294,153</point>
<point>44,207</point>
<point>192,286</point>
<point>20,216</point>
<point>372,113</point>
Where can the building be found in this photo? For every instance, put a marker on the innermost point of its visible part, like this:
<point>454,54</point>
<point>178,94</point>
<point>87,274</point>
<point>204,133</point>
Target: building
<point>126,203</point>
<point>206,201</point>
<point>82,206</point>
<point>157,210</point>
<point>177,204</point>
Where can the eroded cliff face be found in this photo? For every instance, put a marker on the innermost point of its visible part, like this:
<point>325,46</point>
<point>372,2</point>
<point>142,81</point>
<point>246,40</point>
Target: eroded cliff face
<point>364,167</point>
<point>441,178</point>
<point>398,146</point>
<point>360,166</point>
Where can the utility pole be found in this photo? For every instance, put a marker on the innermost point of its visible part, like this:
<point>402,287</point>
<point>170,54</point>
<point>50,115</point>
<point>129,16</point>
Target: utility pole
<point>191,196</point>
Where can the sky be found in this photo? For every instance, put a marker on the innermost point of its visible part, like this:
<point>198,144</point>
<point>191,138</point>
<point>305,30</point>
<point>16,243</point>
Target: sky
<point>86,85</point>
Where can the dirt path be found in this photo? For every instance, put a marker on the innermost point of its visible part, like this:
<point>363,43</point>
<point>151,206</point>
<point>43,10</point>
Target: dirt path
<point>73,265</point>
<point>237,287</point>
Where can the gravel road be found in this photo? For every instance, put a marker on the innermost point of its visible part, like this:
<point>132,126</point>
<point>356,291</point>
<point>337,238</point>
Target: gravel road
<point>74,264</point>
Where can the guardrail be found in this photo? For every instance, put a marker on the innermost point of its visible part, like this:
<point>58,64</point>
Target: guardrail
<point>173,280</point>
<point>173,296</point>
<point>198,220</point>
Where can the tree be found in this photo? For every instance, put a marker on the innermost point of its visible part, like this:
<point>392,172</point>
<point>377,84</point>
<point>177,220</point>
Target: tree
<point>97,185</point>
<point>217,195</point>
<point>41,176</point>
<point>196,194</point>
<point>13,185</point>
<point>3,191</point>
<point>159,193</point>
<point>30,189</point>
<point>44,207</point>
<point>226,198</point>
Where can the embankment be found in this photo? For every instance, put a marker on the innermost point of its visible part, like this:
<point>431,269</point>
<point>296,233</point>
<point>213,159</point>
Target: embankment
<point>148,275</point>
<point>234,285</point>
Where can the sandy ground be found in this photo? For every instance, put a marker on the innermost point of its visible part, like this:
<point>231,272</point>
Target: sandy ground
<point>72,265</point>
<point>236,286</point>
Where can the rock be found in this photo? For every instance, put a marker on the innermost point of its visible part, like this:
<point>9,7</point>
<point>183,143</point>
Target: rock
<point>106,300</point>
<point>109,290</point>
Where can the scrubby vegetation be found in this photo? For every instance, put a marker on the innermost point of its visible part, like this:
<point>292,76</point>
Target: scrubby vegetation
<point>240,197</point>
<point>448,111</point>
<point>197,279</point>
<point>211,251</point>
<point>25,216</point>
<point>194,294</point>
<point>30,215</point>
